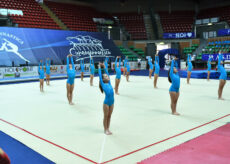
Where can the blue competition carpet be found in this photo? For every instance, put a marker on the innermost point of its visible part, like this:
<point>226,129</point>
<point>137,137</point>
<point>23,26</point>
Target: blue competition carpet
<point>20,153</point>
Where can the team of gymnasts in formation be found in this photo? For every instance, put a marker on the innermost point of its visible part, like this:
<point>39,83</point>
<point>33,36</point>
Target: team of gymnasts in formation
<point>106,87</point>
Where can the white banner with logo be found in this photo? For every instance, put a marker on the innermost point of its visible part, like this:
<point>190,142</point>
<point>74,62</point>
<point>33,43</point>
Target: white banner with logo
<point>10,72</point>
<point>32,71</point>
<point>133,65</point>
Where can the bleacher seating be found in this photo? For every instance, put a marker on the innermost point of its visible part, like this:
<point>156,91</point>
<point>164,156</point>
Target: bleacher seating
<point>33,14</point>
<point>190,50</point>
<point>177,21</point>
<point>75,17</point>
<point>139,51</point>
<point>134,24</point>
<point>215,46</point>
<point>222,12</point>
<point>125,52</point>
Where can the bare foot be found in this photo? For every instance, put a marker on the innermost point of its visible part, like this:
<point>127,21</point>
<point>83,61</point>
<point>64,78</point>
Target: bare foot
<point>108,132</point>
<point>220,98</point>
<point>117,93</point>
<point>175,113</point>
<point>71,103</point>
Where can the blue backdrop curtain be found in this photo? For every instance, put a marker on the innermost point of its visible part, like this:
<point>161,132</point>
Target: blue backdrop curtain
<point>169,51</point>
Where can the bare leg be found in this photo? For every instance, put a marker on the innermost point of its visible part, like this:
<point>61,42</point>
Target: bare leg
<point>188,77</point>
<point>68,92</point>
<point>208,75</point>
<point>109,117</point>
<point>118,82</point>
<point>91,80</point>
<point>71,94</point>
<point>48,79</point>
<point>220,90</point>
<point>105,121</point>
<point>174,97</point>
<point>115,86</point>
<point>150,73</point>
<point>40,85</point>
<point>177,97</point>
<point>155,80</point>
<point>82,74</point>
<point>127,77</point>
<point>124,71</point>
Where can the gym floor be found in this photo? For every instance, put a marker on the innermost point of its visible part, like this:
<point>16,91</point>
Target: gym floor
<point>142,123</point>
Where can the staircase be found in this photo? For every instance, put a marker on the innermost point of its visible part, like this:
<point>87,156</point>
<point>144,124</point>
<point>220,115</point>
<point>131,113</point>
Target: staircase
<point>203,43</point>
<point>159,26</point>
<point>149,27</point>
<point>125,45</point>
<point>54,17</point>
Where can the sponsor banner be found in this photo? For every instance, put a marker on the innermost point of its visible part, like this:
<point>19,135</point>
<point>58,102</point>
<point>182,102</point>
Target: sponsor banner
<point>133,65</point>
<point>223,32</point>
<point>57,69</point>
<point>32,71</point>
<point>21,45</point>
<point>215,57</point>
<point>9,72</point>
<point>180,35</point>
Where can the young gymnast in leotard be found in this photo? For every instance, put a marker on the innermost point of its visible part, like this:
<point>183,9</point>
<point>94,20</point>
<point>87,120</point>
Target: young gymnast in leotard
<point>223,75</point>
<point>47,71</point>
<point>150,67</point>
<point>92,68</point>
<point>189,68</point>
<point>128,70</point>
<point>82,69</point>
<point>118,74</point>
<point>209,67</point>
<point>105,86</point>
<point>71,76</point>
<point>157,70</point>
<point>125,66</point>
<point>41,75</point>
<point>174,78</point>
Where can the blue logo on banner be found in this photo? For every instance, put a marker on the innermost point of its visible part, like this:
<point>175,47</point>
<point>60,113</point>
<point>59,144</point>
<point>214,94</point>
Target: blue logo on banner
<point>180,35</point>
<point>224,32</point>
<point>21,45</point>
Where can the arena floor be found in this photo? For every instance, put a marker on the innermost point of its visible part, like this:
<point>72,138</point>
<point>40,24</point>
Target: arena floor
<point>142,123</point>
